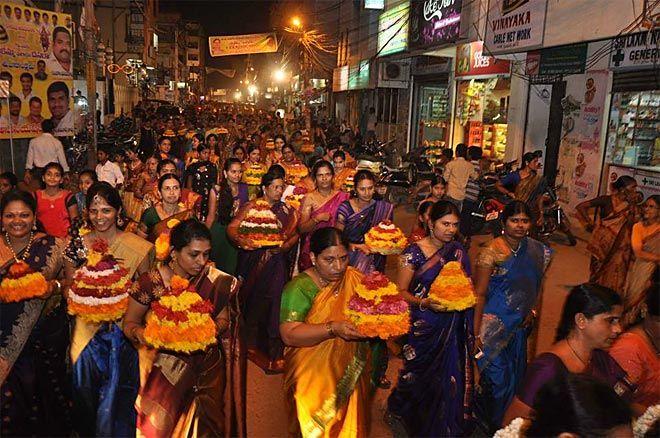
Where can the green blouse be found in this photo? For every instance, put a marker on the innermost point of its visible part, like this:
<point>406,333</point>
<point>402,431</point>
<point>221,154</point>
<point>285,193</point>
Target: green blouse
<point>297,298</point>
<point>150,218</point>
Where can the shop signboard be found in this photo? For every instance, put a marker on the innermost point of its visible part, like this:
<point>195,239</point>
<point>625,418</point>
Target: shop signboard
<point>36,58</point>
<point>514,25</point>
<point>564,60</point>
<point>374,4</point>
<point>358,75</point>
<point>434,22</point>
<point>393,30</point>
<point>472,63</point>
<point>636,51</point>
<point>648,182</point>
<point>242,44</point>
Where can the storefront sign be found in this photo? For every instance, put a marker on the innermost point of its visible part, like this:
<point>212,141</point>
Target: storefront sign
<point>514,25</point>
<point>434,22</point>
<point>472,62</point>
<point>242,44</point>
<point>393,30</point>
<point>635,51</point>
<point>340,79</point>
<point>358,76</point>
<point>565,60</point>
<point>37,59</point>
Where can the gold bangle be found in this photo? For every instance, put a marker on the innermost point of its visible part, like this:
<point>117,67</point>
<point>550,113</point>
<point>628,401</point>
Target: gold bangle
<point>328,327</point>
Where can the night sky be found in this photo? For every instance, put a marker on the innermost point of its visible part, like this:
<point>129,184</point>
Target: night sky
<point>222,17</point>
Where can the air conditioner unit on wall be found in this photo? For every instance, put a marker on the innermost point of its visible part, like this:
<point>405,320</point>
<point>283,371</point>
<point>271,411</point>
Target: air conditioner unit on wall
<point>394,74</point>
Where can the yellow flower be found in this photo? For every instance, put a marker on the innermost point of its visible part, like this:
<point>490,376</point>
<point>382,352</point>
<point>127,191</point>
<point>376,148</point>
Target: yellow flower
<point>93,258</point>
<point>172,223</point>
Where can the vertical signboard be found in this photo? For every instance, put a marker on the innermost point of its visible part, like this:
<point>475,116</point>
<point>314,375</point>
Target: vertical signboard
<point>36,60</point>
<point>393,29</point>
<point>434,22</point>
<point>514,25</point>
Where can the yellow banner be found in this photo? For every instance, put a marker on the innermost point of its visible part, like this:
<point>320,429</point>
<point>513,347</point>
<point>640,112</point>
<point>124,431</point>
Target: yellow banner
<point>242,44</point>
<point>36,57</point>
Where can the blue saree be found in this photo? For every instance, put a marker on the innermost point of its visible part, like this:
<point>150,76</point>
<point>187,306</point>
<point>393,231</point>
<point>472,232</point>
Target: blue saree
<point>433,396</point>
<point>356,225</point>
<point>513,291</point>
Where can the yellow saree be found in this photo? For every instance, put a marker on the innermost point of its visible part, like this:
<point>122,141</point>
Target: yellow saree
<point>326,386</point>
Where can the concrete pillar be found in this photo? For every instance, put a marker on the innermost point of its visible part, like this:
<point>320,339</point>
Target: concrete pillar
<point>517,115</point>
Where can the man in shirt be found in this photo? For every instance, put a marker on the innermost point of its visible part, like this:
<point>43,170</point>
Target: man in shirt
<point>41,74</point>
<point>45,149</point>
<point>57,96</point>
<point>15,116</point>
<point>108,171</point>
<point>59,62</point>
<point>26,88</point>
<point>457,173</point>
<point>472,192</point>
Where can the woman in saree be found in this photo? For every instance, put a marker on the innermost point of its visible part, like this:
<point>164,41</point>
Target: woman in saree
<point>105,364</point>
<point>326,374</point>
<point>433,396</point>
<point>356,216</point>
<point>318,208</point>
<point>148,180</point>
<point>342,171</point>
<point>524,184</point>
<point>508,285</point>
<point>646,247</point>
<point>34,336</point>
<point>155,219</point>
<point>588,326</point>
<point>275,156</point>
<point>225,201</point>
<point>263,273</point>
<point>201,393</point>
<point>610,244</point>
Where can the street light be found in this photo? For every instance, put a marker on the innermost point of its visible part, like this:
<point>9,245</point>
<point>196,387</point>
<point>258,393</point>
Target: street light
<point>237,95</point>
<point>252,89</point>
<point>279,75</point>
<point>296,22</point>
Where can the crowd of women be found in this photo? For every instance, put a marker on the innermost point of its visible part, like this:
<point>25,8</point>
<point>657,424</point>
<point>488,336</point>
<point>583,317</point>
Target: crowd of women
<point>464,372</point>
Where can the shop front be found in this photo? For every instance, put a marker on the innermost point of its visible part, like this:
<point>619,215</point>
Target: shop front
<point>633,131</point>
<point>483,89</point>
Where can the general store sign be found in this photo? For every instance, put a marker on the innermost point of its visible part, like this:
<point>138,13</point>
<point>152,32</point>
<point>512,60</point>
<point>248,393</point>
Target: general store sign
<point>514,25</point>
<point>434,22</point>
<point>473,62</point>
<point>636,50</point>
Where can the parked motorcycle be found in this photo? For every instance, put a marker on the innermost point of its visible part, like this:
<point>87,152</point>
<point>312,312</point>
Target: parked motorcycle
<point>554,218</point>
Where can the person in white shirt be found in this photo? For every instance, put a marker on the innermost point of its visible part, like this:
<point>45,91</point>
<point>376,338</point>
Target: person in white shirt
<point>57,96</point>
<point>59,62</point>
<point>26,92</point>
<point>45,149</point>
<point>15,116</point>
<point>457,173</point>
<point>108,171</point>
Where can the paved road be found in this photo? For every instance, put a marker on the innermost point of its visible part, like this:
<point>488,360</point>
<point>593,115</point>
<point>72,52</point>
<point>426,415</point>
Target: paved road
<point>266,414</point>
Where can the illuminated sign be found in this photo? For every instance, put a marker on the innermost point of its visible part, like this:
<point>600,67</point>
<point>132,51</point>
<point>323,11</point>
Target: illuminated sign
<point>434,22</point>
<point>374,4</point>
<point>358,76</point>
<point>393,30</point>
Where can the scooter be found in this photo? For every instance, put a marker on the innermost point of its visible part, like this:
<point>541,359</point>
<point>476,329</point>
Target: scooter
<point>554,218</point>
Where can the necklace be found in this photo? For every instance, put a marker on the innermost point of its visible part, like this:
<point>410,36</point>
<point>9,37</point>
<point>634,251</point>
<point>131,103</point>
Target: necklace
<point>513,251</point>
<point>323,282</point>
<point>575,353</point>
<point>26,253</point>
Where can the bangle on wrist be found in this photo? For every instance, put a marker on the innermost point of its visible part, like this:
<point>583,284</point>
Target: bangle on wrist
<point>328,327</point>
<point>421,305</point>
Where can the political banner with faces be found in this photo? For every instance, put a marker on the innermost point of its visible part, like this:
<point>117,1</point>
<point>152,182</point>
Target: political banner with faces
<point>36,58</point>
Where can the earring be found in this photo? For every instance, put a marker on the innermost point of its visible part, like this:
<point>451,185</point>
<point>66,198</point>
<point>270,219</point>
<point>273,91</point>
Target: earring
<point>120,221</point>
<point>34,226</point>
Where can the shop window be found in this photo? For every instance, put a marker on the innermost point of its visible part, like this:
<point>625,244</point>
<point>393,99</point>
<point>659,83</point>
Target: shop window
<point>634,129</point>
<point>388,105</point>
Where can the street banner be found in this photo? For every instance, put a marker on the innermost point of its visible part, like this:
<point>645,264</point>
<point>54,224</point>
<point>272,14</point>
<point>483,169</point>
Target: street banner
<point>514,25</point>
<point>36,59</point>
<point>242,44</point>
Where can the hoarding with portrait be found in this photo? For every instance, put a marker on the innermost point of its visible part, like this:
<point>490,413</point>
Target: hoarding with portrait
<point>36,58</point>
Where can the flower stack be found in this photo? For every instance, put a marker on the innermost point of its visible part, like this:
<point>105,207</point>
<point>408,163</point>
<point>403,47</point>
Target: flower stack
<point>349,182</point>
<point>270,144</point>
<point>295,173</point>
<point>180,320</point>
<point>386,238</point>
<point>377,309</point>
<point>307,146</point>
<point>252,175</point>
<point>261,226</point>
<point>99,292</point>
<point>22,283</point>
<point>295,199</point>
<point>162,243</point>
<point>453,289</point>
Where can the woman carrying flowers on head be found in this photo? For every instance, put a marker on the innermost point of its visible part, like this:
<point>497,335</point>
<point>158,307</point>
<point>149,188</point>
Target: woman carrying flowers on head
<point>105,364</point>
<point>253,170</point>
<point>356,216</point>
<point>327,363</point>
<point>224,202</point>
<point>188,309</point>
<point>265,232</point>
<point>433,396</point>
<point>34,336</point>
<point>319,208</point>
<point>508,286</point>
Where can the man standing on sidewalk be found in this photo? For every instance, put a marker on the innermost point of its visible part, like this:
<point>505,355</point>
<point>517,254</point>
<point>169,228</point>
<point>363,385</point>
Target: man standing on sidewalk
<point>472,191</point>
<point>457,173</point>
<point>45,149</point>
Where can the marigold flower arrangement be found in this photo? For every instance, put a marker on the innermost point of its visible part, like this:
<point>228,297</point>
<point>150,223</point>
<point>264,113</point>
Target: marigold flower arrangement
<point>386,238</point>
<point>349,182</point>
<point>453,289</point>
<point>162,243</point>
<point>377,309</point>
<point>99,292</point>
<point>180,320</point>
<point>253,174</point>
<point>270,144</point>
<point>22,283</point>
<point>295,173</point>
<point>295,199</point>
<point>261,226</point>
<point>307,146</point>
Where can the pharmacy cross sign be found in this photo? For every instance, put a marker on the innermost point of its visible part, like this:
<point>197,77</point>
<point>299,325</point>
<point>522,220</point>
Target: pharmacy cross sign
<point>618,57</point>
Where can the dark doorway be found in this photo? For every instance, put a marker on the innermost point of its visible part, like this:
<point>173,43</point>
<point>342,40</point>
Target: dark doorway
<point>553,139</point>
